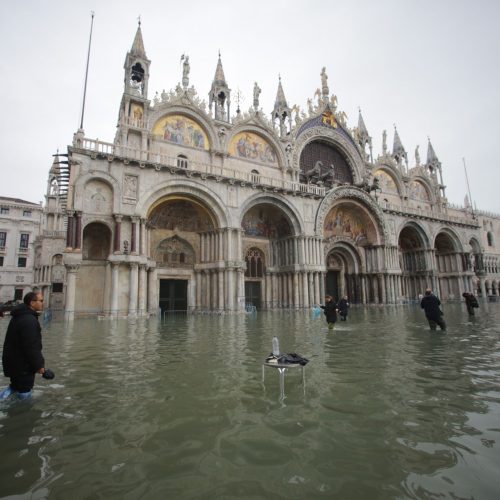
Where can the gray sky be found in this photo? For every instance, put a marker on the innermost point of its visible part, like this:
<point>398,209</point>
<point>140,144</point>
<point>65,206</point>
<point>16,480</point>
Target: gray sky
<point>430,67</point>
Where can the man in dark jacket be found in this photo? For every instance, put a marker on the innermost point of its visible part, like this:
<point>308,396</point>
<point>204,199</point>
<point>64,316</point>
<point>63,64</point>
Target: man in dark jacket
<point>22,350</point>
<point>330,310</point>
<point>430,304</point>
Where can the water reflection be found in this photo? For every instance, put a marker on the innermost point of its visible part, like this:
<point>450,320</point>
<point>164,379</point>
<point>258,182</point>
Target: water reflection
<point>178,409</point>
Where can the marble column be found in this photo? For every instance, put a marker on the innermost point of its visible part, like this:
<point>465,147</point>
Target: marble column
<point>78,231</point>
<point>71,272</point>
<point>230,280</point>
<point>107,289</point>
<point>114,287</point>
<point>197,304</point>
<point>296,302</point>
<point>133,235</point>
<point>69,231</point>
<point>220,274</point>
<point>117,236</point>
<point>153,301</point>
<point>143,250</point>
<point>305,289</point>
<point>142,289</point>
<point>134,281</point>
<point>317,297</point>
<point>241,288</point>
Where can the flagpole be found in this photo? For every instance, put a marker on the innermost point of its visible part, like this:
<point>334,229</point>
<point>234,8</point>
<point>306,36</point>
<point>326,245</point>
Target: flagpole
<point>87,69</point>
<point>468,189</point>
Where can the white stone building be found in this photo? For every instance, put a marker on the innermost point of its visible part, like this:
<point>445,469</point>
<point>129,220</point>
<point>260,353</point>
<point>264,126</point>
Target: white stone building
<point>197,209</point>
<point>20,223</point>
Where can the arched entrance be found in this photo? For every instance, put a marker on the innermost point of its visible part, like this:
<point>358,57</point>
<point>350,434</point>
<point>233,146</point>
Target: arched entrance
<point>343,272</point>
<point>254,275</point>
<point>179,227</point>
<point>271,230</point>
<point>92,292</point>
<point>451,265</point>
<point>351,243</point>
<point>414,261</point>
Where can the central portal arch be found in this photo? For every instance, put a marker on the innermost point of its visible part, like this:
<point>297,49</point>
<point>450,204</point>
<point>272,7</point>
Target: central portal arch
<point>343,264</point>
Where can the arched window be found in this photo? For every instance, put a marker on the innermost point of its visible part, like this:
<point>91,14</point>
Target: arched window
<point>490,238</point>
<point>182,161</point>
<point>254,260</point>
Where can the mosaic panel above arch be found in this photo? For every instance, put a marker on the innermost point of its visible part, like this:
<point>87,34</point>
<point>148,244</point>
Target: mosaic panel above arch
<point>348,220</point>
<point>417,191</point>
<point>253,147</point>
<point>266,221</point>
<point>181,215</point>
<point>386,182</point>
<point>181,130</point>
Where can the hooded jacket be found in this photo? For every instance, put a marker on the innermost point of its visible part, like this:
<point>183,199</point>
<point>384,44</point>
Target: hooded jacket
<point>22,349</point>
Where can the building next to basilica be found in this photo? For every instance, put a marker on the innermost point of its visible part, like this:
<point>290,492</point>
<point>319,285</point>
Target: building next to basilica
<point>204,208</point>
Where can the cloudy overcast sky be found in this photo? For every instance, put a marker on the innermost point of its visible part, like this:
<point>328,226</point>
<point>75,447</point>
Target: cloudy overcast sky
<point>428,67</point>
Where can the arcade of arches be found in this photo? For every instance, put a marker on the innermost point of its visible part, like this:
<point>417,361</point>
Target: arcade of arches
<point>194,264</point>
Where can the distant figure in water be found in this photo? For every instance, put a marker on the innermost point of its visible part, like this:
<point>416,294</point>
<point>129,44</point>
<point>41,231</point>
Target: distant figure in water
<point>470,302</point>
<point>330,311</point>
<point>343,307</point>
<point>430,304</point>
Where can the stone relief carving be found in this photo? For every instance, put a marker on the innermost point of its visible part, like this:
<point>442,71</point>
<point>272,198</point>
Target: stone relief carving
<point>130,186</point>
<point>97,197</point>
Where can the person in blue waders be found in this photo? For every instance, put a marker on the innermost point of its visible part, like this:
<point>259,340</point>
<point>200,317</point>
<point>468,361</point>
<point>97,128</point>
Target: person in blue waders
<point>330,311</point>
<point>22,355</point>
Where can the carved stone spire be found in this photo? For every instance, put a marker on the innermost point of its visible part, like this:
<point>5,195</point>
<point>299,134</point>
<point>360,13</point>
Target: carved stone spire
<point>398,151</point>
<point>363,137</point>
<point>219,73</point>
<point>431,155</point>
<point>433,164</point>
<point>220,95</point>
<point>282,112</point>
<point>138,45</point>
<point>137,68</point>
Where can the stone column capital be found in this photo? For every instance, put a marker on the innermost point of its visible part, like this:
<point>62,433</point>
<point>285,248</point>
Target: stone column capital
<point>72,268</point>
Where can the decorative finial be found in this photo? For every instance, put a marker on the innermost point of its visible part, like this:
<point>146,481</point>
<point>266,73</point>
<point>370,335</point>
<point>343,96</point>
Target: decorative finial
<point>139,20</point>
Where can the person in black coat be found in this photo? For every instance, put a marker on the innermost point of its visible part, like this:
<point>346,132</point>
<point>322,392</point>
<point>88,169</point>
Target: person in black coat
<point>343,306</point>
<point>22,350</point>
<point>330,311</point>
<point>430,304</point>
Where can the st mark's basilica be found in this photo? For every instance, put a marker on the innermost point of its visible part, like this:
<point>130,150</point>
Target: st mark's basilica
<point>204,208</point>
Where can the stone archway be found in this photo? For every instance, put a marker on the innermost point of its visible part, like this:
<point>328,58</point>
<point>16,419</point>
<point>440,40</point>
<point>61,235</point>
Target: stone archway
<point>343,276</point>
<point>450,265</point>
<point>267,229</point>
<point>352,249</point>
<point>92,294</point>
<point>414,261</point>
<point>183,238</point>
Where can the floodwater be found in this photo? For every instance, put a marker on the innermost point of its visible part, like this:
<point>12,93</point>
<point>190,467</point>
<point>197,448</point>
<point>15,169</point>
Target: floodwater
<point>178,409</point>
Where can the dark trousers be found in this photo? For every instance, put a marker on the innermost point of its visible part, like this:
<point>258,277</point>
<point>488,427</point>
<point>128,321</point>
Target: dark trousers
<point>22,383</point>
<point>470,310</point>
<point>433,323</point>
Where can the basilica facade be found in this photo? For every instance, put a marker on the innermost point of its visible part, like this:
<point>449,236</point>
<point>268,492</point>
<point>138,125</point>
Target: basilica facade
<point>203,208</point>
